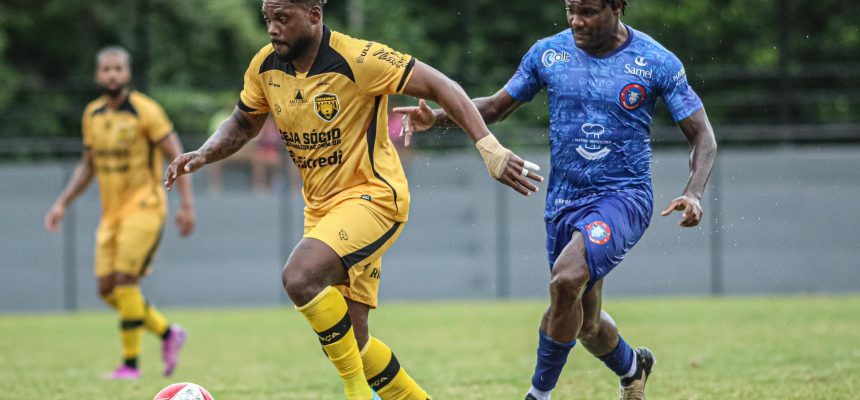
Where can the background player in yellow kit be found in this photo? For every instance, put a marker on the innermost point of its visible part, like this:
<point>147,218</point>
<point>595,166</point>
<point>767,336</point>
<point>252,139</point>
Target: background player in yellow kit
<point>125,134</point>
<point>328,95</point>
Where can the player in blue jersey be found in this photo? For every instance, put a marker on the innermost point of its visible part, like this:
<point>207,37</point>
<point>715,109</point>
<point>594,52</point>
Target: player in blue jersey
<point>603,79</point>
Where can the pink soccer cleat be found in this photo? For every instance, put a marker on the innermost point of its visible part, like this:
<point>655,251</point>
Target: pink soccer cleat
<point>124,372</point>
<point>171,347</point>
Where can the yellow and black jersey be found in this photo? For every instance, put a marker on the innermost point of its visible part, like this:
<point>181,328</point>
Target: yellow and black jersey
<point>334,120</point>
<point>126,158</point>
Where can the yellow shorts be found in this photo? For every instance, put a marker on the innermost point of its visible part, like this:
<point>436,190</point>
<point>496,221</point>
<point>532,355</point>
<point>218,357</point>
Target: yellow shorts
<point>359,234</point>
<point>128,245</point>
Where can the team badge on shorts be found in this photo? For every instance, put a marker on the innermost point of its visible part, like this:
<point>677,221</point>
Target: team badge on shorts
<point>327,106</point>
<point>598,232</point>
<point>632,96</point>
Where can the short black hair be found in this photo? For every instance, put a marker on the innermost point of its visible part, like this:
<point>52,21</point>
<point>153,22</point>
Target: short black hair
<point>614,3</point>
<point>114,49</point>
<point>611,3</point>
<point>309,2</point>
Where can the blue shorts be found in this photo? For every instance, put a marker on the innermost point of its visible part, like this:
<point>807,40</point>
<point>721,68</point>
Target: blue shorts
<point>610,225</point>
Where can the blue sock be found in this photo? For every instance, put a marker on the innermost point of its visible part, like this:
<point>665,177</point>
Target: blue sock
<point>621,359</point>
<point>551,357</point>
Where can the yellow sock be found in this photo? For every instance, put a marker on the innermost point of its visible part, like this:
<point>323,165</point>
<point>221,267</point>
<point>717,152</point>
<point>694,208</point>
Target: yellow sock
<point>386,376</point>
<point>153,320</point>
<point>130,303</point>
<point>327,314</point>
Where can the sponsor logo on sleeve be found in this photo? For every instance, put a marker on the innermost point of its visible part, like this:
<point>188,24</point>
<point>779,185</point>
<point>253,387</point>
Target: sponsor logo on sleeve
<point>394,58</point>
<point>360,58</point>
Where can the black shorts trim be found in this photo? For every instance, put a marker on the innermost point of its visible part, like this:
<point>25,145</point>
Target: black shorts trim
<point>147,262</point>
<point>357,256</point>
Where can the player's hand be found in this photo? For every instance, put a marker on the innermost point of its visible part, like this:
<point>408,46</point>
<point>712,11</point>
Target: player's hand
<point>506,167</point>
<point>54,217</point>
<point>691,211</point>
<point>415,119</point>
<point>185,220</point>
<point>515,174</point>
<point>184,164</point>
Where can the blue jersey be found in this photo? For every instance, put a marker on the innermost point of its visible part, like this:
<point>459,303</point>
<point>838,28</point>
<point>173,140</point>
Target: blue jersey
<point>600,113</point>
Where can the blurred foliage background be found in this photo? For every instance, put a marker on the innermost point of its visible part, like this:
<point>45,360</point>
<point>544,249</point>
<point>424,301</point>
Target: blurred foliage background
<point>754,62</point>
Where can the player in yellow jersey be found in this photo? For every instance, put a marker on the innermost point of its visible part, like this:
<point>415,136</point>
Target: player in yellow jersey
<point>125,134</point>
<point>328,95</point>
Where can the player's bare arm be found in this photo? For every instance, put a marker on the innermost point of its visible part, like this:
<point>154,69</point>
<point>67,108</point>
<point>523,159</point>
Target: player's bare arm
<point>233,133</point>
<point>493,109</point>
<point>504,165</point>
<point>172,148</point>
<point>81,178</point>
<point>703,150</point>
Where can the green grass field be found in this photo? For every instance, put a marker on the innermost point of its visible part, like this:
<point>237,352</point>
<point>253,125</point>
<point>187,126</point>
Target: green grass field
<point>733,348</point>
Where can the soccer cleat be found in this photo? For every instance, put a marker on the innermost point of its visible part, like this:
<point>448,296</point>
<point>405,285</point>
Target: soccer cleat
<point>530,397</point>
<point>124,372</point>
<point>171,347</point>
<point>633,388</point>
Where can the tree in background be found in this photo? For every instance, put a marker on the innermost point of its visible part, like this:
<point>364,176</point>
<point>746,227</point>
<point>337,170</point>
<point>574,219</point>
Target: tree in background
<point>755,62</point>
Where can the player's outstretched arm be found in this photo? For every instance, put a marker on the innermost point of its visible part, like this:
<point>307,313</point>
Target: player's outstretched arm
<point>231,135</point>
<point>418,119</point>
<point>703,151</point>
<point>81,178</point>
<point>185,219</point>
<point>504,165</point>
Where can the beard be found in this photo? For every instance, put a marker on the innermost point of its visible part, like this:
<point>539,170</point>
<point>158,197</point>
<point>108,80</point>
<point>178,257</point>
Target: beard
<point>113,92</point>
<point>297,49</point>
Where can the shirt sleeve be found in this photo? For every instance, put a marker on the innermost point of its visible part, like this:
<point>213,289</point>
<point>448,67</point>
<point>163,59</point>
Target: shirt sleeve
<point>383,70</point>
<point>253,97</point>
<point>677,93</point>
<point>158,126</point>
<point>526,82</point>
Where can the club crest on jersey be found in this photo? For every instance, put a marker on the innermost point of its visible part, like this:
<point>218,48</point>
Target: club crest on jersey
<point>632,96</point>
<point>327,106</point>
<point>598,232</point>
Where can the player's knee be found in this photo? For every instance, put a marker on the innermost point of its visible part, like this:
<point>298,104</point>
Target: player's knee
<point>569,281</point>
<point>299,283</point>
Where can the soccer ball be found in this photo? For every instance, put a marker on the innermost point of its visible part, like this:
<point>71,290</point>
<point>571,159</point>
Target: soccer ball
<point>183,391</point>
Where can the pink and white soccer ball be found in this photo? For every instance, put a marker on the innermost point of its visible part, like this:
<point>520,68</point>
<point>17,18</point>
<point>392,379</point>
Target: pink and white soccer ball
<point>183,391</point>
